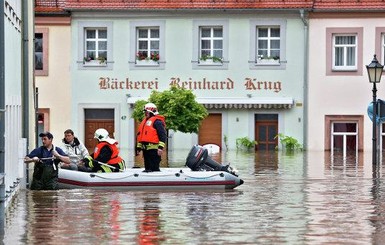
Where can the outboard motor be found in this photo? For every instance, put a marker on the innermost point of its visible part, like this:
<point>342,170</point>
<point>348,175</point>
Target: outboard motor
<point>198,159</point>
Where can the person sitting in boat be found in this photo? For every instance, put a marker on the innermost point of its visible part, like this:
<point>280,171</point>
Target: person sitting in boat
<point>46,158</point>
<point>106,155</point>
<point>151,137</point>
<point>75,150</point>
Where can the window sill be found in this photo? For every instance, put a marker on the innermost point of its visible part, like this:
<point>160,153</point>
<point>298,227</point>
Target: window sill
<point>94,63</point>
<point>209,63</point>
<point>267,62</point>
<point>344,70</point>
<point>146,63</point>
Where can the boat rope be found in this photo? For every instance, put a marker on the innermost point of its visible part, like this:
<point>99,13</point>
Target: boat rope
<point>124,177</point>
<point>155,175</point>
<point>213,175</point>
<point>151,174</point>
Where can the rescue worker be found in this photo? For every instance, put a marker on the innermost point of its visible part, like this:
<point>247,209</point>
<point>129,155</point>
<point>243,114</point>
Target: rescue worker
<point>151,138</point>
<point>46,158</point>
<point>106,154</point>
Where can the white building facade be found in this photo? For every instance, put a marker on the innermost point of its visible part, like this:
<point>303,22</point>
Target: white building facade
<point>246,67</point>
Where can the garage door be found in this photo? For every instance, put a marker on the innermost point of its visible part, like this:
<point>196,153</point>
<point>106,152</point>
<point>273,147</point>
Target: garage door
<point>210,131</point>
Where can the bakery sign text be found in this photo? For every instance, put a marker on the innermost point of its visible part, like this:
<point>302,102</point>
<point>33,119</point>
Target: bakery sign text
<point>107,83</point>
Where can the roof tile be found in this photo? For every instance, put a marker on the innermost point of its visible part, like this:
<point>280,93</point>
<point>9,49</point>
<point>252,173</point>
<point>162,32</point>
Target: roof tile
<point>362,5</point>
<point>49,6</point>
<point>316,5</point>
<point>186,4</point>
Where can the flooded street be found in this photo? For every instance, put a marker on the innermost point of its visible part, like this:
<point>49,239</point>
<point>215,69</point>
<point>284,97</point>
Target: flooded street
<point>300,198</point>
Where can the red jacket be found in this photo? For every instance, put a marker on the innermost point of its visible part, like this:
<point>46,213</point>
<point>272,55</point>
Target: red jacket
<point>115,158</point>
<point>147,133</point>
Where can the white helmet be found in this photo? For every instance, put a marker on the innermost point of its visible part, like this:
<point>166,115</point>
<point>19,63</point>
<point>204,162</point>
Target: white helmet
<point>151,107</point>
<point>101,134</point>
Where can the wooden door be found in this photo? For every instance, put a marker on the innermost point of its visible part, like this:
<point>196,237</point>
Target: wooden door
<point>91,125</point>
<point>210,131</point>
<point>265,132</point>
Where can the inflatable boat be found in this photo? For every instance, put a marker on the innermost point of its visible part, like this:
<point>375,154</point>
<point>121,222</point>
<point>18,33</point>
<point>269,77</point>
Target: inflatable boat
<point>201,173</point>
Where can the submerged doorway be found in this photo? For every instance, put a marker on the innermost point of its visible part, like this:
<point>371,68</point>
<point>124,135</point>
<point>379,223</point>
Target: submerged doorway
<point>94,119</point>
<point>266,128</point>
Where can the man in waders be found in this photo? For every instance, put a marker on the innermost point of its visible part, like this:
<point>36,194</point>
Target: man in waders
<point>46,158</point>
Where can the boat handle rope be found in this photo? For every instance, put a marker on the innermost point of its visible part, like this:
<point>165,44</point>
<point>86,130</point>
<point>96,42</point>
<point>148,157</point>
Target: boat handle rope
<point>213,175</point>
<point>158,175</point>
<point>95,175</point>
<point>155,175</point>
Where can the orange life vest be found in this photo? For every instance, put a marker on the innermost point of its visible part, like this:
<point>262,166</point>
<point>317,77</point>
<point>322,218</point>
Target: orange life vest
<point>115,158</point>
<point>147,132</point>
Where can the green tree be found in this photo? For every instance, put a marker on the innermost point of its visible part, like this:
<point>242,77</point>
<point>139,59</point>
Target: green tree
<point>182,112</point>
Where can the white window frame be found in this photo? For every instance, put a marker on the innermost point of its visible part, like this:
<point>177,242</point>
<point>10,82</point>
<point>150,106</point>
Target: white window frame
<point>345,67</point>
<point>212,49</point>
<point>381,134</point>
<point>382,48</point>
<point>344,135</point>
<point>255,62</point>
<point>261,60</point>
<point>147,64</point>
<point>96,64</point>
<point>96,61</point>
<point>212,64</point>
<point>380,44</point>
<point>149,50</point>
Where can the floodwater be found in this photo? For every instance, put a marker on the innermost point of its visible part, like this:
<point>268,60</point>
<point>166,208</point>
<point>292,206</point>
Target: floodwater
<point>287,198</point>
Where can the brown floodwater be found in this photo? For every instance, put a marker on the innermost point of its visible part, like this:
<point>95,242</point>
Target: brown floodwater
<point>287,198</point>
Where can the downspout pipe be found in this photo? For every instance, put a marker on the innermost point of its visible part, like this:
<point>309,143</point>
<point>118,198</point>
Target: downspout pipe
<point>25,75</point>
<point>25,67</point>
<point>305,77</point>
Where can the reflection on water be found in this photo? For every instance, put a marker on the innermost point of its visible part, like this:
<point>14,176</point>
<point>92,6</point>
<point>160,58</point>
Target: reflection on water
<point>150,229</point>
<point>296,198</point>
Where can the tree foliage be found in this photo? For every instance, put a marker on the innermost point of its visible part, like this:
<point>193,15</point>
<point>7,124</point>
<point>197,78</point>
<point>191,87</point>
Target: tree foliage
<point>182,112</point>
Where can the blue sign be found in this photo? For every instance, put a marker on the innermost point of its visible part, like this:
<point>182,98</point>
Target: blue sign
<point>380,118</point>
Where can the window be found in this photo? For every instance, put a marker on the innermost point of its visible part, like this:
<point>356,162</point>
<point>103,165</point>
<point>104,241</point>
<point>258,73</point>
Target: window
<point>380,44</point>
<point>95,51</point>
<point>148,45</point>
<point>344,136</point>
<point>95,46</point>
<point>344,133</point>
<point>42,121</point>
<point>344,51</point>
<point>382,138</point>
<point>268,44</point>
<point>383,49</point>
<point>210,44</point>
<point>41,52</point>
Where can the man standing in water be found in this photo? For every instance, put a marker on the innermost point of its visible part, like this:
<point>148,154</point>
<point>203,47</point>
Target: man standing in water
<point>46,158</point>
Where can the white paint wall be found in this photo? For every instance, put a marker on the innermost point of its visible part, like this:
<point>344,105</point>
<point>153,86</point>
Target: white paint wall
<point>339,95</point>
